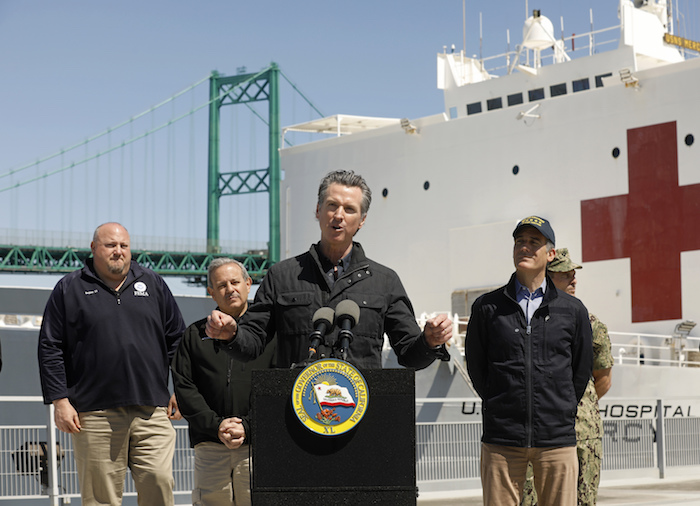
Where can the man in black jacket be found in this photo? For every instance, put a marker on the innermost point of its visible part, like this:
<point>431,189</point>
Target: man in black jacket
<point>529,355</point>
<point>213,392</point>
<point>107,337</point>
<point>334,269</point>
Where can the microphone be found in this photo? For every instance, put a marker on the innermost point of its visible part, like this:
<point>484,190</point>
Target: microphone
<point>347,314</point>
<point>323,323</point>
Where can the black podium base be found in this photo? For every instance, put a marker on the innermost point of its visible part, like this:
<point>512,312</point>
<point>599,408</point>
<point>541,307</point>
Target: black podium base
<point>373,463</point>
<point>334,496</point>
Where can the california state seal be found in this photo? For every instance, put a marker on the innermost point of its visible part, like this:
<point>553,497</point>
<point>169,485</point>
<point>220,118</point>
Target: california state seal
<point>330,397</point>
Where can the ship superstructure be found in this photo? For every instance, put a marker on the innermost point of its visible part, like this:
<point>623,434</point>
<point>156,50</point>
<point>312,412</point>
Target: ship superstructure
<point>601,144</point>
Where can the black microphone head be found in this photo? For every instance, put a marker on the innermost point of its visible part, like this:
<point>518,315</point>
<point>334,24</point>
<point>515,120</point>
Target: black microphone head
<point>324,315</point>
<point>348,309</point>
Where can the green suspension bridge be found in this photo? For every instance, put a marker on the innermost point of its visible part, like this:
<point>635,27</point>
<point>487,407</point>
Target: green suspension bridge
<point>161,177</point>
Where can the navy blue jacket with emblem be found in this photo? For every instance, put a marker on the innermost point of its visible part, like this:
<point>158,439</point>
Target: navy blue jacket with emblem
<point>530,378</point>
<point>295,288</point>
<point>103,348</point>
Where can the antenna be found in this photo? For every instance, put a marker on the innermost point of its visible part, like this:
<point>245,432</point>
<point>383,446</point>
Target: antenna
<point>464,27</point>
<point>508,47</point>
<point>591,37</point>
<point>669,15</point>
<point>481,42</point>
<point>561,19</point>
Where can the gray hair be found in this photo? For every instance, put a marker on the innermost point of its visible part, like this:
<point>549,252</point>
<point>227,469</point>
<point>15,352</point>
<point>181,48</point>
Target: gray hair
<point>218,262</point>
<point>345,178</point>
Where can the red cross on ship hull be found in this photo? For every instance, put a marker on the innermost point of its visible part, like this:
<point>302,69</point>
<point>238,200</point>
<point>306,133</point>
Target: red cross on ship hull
<point>651,225</point>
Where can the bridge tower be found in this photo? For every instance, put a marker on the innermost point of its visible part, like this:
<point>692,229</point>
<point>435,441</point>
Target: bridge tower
<point>236,90</point>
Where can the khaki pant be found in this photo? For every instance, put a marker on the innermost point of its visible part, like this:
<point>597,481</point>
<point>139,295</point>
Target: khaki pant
<point>140,437</point>
<point>221,476</point>
<point>503,470</point>
<point>590,456</point>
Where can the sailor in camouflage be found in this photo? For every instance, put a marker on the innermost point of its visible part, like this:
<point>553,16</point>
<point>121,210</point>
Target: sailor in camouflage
<point>589,425</point>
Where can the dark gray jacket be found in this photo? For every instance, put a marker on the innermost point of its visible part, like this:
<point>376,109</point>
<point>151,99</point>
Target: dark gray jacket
<point>210,385</point>
<point>295,288</point>
<point>529,382</point>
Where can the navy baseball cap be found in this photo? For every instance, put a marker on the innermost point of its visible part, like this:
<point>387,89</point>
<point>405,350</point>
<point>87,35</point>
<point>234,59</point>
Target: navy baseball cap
<point>540,224</point>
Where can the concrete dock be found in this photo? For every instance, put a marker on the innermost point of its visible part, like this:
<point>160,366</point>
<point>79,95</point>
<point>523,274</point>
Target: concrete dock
<point>629,492</point>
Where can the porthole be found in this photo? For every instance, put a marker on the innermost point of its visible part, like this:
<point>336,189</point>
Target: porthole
<point>616,152</point>
<point>516,169</point>
<point>426,185</point>
<point>689,139</point>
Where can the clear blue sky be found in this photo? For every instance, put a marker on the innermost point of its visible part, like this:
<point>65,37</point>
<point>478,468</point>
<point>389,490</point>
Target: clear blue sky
<point>71,68</point>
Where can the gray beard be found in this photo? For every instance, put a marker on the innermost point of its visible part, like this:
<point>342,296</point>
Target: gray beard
<point>114,269</point>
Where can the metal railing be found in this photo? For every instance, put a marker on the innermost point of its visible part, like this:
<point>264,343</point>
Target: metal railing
<point>575,46</point>
<point>447,451</point>
<point>627,347</point>
<point>37,463</point>
<point>655,349</point>
<point>629,444</point>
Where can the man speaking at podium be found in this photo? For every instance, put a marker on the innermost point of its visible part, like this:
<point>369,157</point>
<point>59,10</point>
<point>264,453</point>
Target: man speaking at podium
<point>334,269</point>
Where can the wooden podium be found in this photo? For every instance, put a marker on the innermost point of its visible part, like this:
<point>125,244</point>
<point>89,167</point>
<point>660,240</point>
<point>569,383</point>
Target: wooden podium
<point>373,463</point>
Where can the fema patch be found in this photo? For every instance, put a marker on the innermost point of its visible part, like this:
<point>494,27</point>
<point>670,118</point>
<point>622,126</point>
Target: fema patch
<point>140,289</point>
<point>330,397</point>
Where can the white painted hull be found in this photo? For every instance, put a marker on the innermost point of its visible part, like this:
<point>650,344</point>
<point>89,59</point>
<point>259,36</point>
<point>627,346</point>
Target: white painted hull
<point>456,235</point>
<point>452,241</point>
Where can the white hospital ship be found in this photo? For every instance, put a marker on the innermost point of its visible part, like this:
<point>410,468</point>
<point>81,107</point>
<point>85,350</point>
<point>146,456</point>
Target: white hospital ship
<point>600,137</point>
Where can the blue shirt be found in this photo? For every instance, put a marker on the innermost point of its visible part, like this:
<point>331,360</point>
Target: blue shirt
<point>333,272</point>
<point>529,301</point>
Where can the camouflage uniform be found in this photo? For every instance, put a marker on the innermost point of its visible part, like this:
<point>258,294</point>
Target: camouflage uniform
<point>589,428</point>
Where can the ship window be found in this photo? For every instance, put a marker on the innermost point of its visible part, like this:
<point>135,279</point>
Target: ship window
<point>494,103</point>
<point>537,94</point>
<point>453,112</point>
<point>557,89</point>
<point>599,79</point>
<point>515,99</point>
<point>581,85</point>
<point>474,108</point>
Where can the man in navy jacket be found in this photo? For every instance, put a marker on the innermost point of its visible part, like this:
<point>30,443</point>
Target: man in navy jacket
<point>529,355</point>
<point>107,337</point>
